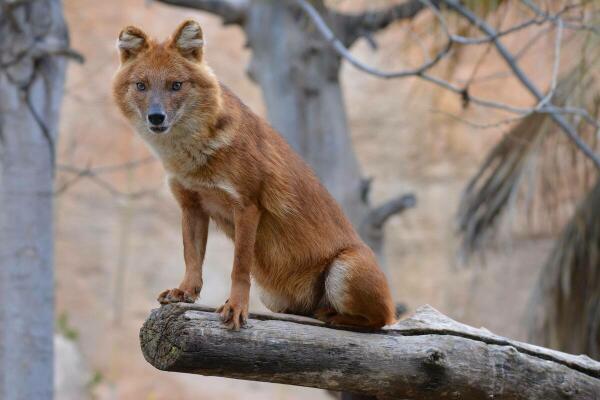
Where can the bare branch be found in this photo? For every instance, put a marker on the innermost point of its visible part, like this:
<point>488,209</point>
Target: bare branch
<point>345,53</point>
<point>477,125</point>
<point>43,49</point>
<point>231,12</point>
<point>544,104</point>
<point>129,165</point>
<point>339,47</point>
<point>468,98</point>
<point>94,175</point>
<point>575,111</point>
<point>51,48</point>
<point>540,20</point>
<point>555,67</point>
<point>559,119</point>
<point>372,21</point>
<point>538,11</point>
<point>378,216</point>
<point>381,19</point>
<point>518,55</point>
<point>69,53</point>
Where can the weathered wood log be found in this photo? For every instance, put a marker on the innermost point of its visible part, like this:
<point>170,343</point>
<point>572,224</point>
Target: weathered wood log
<point>427,356</point>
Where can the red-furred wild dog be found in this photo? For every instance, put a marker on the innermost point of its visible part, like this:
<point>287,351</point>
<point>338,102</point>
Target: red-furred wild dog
<point>227,165</point>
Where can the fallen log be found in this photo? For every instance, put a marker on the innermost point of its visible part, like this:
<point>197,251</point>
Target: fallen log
<point>427,356</point>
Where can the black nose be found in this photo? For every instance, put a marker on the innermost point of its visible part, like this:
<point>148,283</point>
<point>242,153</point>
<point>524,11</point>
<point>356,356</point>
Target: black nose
<point>156,119</point>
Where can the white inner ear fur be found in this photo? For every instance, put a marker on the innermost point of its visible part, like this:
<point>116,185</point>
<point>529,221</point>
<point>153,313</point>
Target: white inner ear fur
<point>128,41</point>
<point>189,38</point>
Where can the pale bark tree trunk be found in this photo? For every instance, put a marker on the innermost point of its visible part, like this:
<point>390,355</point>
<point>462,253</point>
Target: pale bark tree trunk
<point>299,77</point>
<point>33,42</point>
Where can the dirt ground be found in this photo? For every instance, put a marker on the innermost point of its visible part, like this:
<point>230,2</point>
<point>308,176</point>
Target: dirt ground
<point>116,253</point>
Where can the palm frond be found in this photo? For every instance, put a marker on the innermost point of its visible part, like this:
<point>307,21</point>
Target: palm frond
<point>495,183</point>
<point>565,307</point>
<point>534,149</point>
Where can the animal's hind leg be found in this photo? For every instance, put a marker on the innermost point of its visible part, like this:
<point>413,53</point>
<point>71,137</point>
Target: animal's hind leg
<point>330,315</point>
<point>325,313</point>
<point>358,291</point>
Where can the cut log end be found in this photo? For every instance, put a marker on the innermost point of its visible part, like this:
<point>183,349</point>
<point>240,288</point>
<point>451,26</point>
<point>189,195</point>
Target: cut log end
<point>156,345</point>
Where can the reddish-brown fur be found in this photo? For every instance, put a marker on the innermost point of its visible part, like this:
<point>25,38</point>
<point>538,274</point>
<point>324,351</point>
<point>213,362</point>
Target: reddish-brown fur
<point>227,165</point>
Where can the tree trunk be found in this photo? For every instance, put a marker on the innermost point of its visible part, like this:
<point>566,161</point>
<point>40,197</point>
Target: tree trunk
<point>33,34</point>
<point>427,356</point>
<point>298,73</point>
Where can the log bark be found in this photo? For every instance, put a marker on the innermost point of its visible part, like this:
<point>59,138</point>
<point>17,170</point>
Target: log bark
<point>427,356</point>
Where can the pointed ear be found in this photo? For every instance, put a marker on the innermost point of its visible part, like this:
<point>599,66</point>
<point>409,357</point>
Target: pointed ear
<point>188,40</point>
<point>132,41</point>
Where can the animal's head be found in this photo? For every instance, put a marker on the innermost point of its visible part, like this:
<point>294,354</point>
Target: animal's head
<point>163,86</point>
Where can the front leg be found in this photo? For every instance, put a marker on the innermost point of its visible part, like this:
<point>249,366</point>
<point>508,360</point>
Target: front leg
<point>234,312</point>
<point>194,227</point>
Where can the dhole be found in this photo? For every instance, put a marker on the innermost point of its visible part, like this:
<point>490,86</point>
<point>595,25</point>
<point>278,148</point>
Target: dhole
<point>228,165</point>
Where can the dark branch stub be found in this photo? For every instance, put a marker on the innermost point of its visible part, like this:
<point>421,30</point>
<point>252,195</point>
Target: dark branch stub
<point>376,20</point>
<point>231,12</point>
<point>378,216</point>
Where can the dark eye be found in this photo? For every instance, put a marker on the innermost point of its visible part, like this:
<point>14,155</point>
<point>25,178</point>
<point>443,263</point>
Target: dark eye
<point>176,86</point>
<point>140,86</point>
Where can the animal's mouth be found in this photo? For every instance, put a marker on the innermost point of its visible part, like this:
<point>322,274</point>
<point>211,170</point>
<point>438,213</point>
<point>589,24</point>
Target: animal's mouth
<point>159,129</point>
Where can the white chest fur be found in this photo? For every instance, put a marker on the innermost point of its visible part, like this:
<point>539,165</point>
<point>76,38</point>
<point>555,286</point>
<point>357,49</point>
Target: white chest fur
<point>216,184</point>
<point>182,156</point>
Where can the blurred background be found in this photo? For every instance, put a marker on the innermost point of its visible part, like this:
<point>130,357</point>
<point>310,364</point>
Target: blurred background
<point>505,232</point>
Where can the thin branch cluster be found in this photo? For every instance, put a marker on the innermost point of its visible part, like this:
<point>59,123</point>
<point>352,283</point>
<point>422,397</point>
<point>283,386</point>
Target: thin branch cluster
<point>342,30</point>
<point>544,103</point>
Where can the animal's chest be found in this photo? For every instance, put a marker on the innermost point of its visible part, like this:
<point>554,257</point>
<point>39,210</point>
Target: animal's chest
<point>195,169</point>
<point>217,203</point>
<point>217,194</point>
